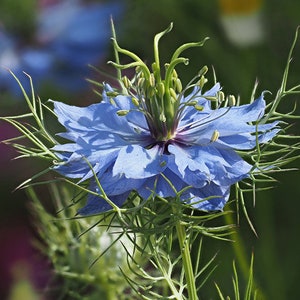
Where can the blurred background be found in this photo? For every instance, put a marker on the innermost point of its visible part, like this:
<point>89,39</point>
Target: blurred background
<point>55,41</point>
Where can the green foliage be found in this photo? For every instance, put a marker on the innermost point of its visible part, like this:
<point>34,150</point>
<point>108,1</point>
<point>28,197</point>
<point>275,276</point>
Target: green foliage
<point>19,16</point>
<point>250,293</point>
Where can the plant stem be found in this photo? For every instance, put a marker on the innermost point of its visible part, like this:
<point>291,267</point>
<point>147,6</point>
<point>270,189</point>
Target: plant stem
<point>186,261</point>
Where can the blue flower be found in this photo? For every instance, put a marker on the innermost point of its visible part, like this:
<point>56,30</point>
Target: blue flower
<point>126,156</point>
<point>157,139</point>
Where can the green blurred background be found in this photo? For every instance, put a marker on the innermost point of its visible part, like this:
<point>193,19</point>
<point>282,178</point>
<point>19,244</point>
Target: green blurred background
<point>237,66</point>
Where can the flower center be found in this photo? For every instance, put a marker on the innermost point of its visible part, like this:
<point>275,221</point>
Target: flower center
<point>155,93</point>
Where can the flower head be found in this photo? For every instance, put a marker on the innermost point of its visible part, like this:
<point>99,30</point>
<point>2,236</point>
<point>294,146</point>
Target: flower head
<point>157,138</point>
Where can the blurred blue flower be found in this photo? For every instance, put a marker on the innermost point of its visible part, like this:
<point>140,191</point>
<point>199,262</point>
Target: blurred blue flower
<point>128,150</point>
<point>69,36</point>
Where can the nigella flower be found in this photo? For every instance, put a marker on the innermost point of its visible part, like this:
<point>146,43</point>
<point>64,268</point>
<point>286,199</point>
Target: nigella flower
<point>158,139</point>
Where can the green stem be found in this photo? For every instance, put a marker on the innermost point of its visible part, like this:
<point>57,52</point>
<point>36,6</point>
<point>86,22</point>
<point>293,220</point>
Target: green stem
<point>240,253</point>
<point>187,262</point>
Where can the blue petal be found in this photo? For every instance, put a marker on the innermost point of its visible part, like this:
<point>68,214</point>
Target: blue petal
<point>137,162</point>
<point>189,111</point>
<point>199,165</point>
<point>96,117</point>
<point>96,204</point>
<point>209,198</point>
<point>232,125</point>
<point>84,167</point>
<point>159,186</point>
<point>183,162</point>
